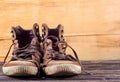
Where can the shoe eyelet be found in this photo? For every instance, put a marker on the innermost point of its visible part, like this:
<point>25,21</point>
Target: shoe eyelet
<point>43,28</point>
<point>12,31</point>
<point>13,41</point>
<point>61,36</point>
<point>37,27</point>
<point>12,35</point>
<point>43,33</point>
<point>37,33</point>
<point>42,38</point>
<point>62,31</point>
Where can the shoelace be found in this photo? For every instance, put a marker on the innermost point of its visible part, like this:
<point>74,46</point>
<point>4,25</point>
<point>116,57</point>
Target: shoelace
<point>63,56</point>
<point>8,53</point>
<point>17,50</point>
<point>76,56</point>
<point>24,53</point>
<point>55,56</point>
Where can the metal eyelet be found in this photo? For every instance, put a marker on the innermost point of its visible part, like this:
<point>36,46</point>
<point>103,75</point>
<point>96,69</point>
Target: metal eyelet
<point>12,31</point>
<point>61,36</point>
<point>12,35</point>
<point>43,28</point>
<point>43,33</point>
<point>37,33</point>
<point>13,39</point>
<point>42,39</point>
<point>37,28</point>
<point>62,31</point>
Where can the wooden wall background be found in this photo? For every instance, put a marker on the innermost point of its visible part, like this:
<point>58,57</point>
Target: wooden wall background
<point>92,27</point>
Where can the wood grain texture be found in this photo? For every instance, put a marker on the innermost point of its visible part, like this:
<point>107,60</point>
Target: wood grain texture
<point>100,71</point>
<point>92,27</point>
<point>85,16</point>
<point>87,47</point>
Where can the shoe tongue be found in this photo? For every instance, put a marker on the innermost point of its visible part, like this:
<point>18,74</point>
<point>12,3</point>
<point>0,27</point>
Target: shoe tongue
<point>34,41</point>
<point>49,44</point>
<point>53,32</point>
<point>54,40</point>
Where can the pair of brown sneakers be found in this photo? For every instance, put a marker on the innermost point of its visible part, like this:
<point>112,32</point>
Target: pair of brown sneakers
<point>32,52</point>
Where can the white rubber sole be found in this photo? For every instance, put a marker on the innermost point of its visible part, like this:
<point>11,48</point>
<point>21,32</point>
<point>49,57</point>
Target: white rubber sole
<point>20,70</point>
<point>62,69</point>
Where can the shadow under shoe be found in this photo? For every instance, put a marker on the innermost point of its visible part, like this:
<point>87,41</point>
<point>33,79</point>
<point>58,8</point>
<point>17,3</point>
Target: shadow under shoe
<point>55,59</point>
<point>26,56</point>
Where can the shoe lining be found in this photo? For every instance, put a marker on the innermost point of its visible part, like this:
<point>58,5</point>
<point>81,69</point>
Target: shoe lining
<point>23,36</point>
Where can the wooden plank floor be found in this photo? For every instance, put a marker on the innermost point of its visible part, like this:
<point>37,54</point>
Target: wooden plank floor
<point>101,71</point>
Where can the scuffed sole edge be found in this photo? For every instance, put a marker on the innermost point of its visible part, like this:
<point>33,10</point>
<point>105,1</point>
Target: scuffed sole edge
<point>62,69</point>
<point>20,70</point>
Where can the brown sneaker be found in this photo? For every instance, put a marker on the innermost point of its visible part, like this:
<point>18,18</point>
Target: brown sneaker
<point>55,59</point>
<point>26,54</point>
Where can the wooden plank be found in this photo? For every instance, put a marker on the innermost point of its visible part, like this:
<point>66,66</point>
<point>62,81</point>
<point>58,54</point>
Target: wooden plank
<point>103,75</point>
<point>99,47</point>
<point>96,47</point>
<point>86,17</point>
<point>92,29</point>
